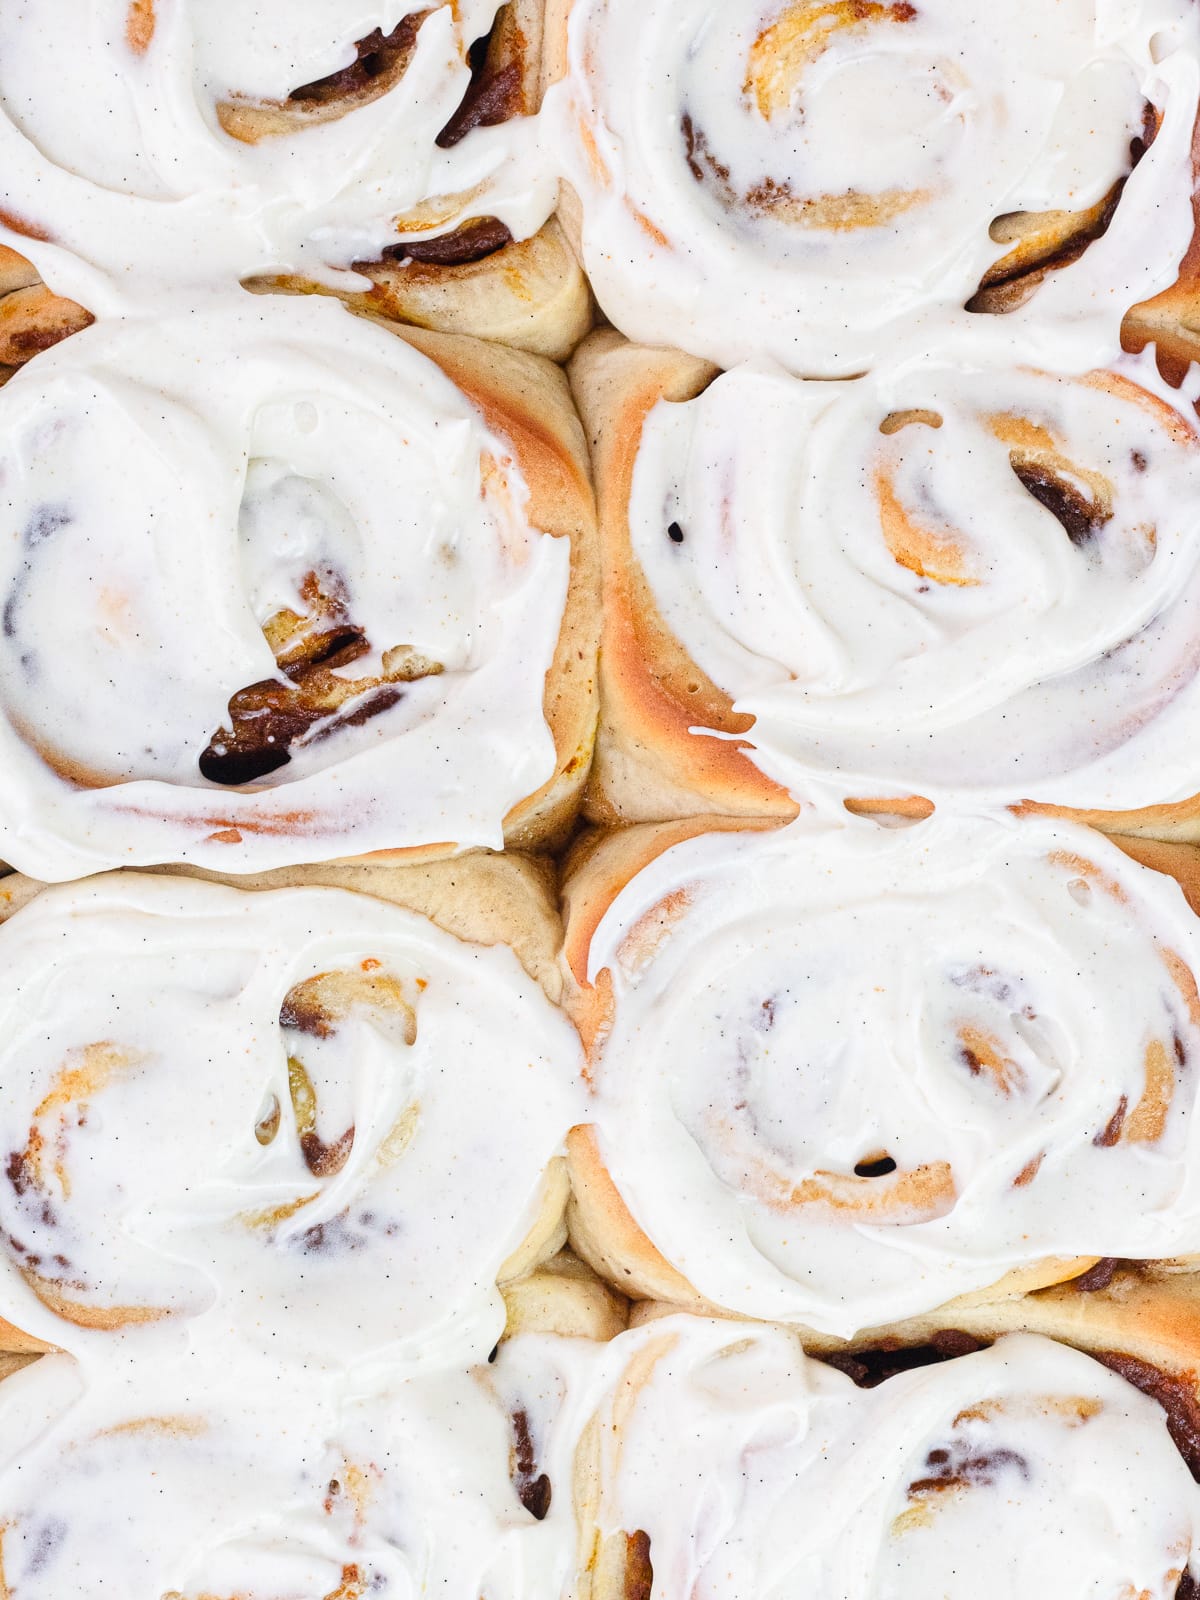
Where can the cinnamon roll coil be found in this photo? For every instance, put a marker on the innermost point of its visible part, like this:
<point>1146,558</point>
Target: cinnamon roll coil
<point>845,1033</point>
<point>396,575</point>
<point>248,1091</point>
<point>955,580</point>
<point>852,176</point>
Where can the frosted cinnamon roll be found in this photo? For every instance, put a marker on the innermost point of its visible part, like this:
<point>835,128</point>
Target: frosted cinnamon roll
<point>287,586</point>
<point>309,140</point>
<point>953,577</point>
<point>271,1116</point>
<point>841,171</point>
<point>841,1073</point>
<point>227,1477</point>
<point>722,1463</point>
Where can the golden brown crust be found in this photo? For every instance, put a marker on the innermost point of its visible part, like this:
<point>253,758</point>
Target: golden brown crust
<point>1150,1311</point>
<point>525,399</point>
<point>482,897</point>
<point>530,294</point>
<point>599,867</point>
<point>649,765</point>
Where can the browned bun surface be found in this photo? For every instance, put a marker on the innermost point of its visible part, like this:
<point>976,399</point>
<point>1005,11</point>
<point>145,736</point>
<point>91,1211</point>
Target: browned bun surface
<point>648,765</point>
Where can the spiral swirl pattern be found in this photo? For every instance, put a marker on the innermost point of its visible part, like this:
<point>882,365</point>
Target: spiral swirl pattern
<point>845,1073</point>
<point>949,577</point>
<point>841,170</point>
<point>300,136</point>
<point>209,1090</point>
<point>274,597</point>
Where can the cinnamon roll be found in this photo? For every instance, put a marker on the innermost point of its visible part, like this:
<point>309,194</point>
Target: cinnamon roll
<point>841,1073</point>
<point>721,1462</point>
<point>227,1477</point>
<point>953,578</point>
<point>359,147</point>
<point>270,1117</point>
<point>287,586</point>
<point>842,171</point>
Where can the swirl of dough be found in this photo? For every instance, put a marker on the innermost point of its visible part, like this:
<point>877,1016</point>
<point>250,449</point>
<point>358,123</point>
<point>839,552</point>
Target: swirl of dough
<point>238,139</point>
<point>280,593</point>
<point>723,1463</point>
<point>946,578</point>
<point>241,1480</point>
<point>842,1072</point>
<point>842,169</point>
<point>273,1112</point>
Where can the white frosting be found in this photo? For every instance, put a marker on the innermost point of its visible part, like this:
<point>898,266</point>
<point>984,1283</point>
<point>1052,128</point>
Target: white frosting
<point>169,482</point>
<point>900,613</point>
<point>145,1060</point>
<point>1005,1009</point>
<point>120,159</point>
<point>1027,1468</point>
<point>224,1477</point>
<point>726,157</point>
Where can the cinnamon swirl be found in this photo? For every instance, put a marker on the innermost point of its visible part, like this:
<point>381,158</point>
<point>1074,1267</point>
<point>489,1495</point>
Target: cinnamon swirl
<point>952,578</point>
<point>288,586</point>
<point>269,1117</point>
<point>378,148</point>
<point>229,1477</point>
<point>841,1073</point>
<point>840,171</point>
<point>720,1463</point>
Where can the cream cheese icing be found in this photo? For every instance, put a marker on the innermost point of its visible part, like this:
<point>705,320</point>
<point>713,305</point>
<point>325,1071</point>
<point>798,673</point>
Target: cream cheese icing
<point>851,1072</point>
<point>1025,1468</point>
<point>177,484</point>
<point>954,576</point>
<point>124,166</point>
<point>270,1117</point>
<point>229,1477</point>
<point>832,171</point>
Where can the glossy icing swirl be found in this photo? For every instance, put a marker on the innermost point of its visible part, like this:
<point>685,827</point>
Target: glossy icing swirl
<point>849,1072</point>
<point>269,1115</point>
<point>1026,1468</point>
<point>206,168</point>
<point>832,168</point>
<point>232,1477</point>
<point>269,512</point>
<point>952,576</point>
